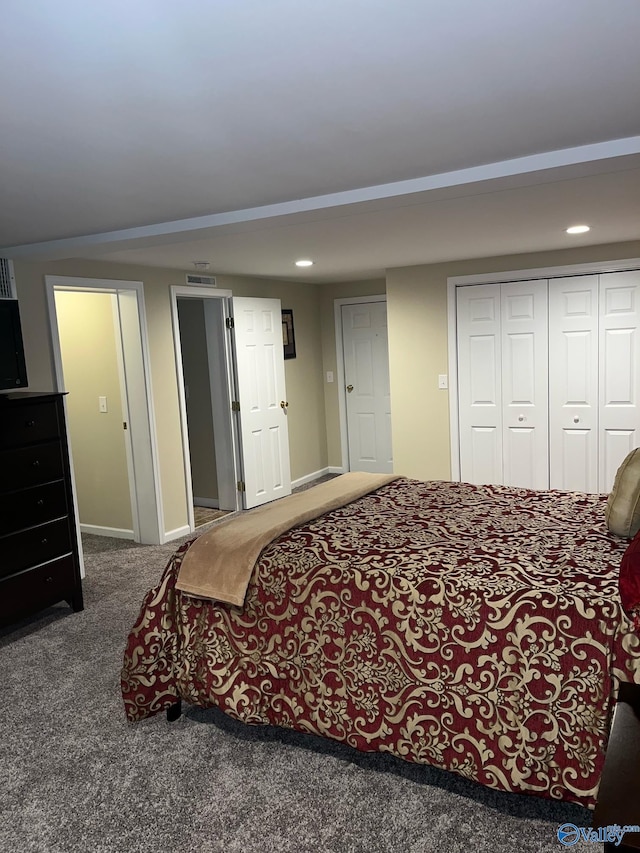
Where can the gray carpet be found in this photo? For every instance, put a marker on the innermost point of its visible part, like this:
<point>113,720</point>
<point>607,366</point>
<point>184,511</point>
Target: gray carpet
<point>76,777</point>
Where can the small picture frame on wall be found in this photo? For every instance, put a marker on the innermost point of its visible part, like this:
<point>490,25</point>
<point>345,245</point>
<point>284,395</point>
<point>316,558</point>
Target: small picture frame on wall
<point>288,337</point>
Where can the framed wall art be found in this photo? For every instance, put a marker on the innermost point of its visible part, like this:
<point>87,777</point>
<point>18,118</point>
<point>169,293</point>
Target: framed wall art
<point>288,337</point>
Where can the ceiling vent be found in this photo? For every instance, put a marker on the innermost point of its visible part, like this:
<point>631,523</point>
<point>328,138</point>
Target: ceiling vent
<point>7,280</point>
<point>201,280</point>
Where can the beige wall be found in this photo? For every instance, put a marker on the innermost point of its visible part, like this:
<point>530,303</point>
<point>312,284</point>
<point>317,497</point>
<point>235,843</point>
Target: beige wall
<point>195,362</point>
<point>90,365</point>
<point>307,430</point>
<point>417,311</point>
<point>417,305</point>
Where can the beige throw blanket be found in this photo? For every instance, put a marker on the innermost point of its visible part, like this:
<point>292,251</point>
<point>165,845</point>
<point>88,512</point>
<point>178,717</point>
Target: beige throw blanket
<point>219,563</point>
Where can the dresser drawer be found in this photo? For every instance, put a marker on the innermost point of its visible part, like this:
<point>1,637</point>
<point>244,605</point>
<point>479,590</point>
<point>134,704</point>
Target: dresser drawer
<point>28,424</point>
<point>32,590</point>
<point>19,551</point>
<point>29,466</point>
<point>29,507</point>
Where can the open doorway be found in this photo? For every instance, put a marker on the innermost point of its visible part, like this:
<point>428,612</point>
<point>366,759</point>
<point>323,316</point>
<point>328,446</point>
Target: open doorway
<point>205,384</point>
<point>96,411</point>
<point>111,425</point>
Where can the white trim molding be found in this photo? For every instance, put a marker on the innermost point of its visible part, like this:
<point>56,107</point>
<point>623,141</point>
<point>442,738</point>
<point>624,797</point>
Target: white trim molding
<point>207,503</point>
<point>309,478</point>
<point>113,532</point>
<point>170,535</point>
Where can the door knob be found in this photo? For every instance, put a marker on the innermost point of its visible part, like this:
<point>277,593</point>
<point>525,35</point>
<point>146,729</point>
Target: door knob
<point>576,420</point>
<point>521,418</point>
<point>349,388</point>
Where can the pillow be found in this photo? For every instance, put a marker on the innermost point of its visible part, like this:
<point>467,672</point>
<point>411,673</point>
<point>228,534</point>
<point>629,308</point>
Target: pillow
<point>630,581</point>
<point>623,505</point>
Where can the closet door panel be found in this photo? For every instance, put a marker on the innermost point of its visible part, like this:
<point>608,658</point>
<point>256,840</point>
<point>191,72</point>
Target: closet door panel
<point>484,458</point>
<point>573,383</point>
<point>525,369</point>
<point>479,380</point>
<point>619,371</point>
<point>578,455</point>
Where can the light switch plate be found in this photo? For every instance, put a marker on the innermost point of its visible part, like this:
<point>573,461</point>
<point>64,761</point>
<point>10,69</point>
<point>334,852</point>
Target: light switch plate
<point>102,404</point>
<point>443,381</point>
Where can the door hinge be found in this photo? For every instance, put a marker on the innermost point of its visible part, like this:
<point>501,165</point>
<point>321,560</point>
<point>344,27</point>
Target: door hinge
<point>235,406</point>
<point>229,323</point>
<point>124,424</point>
<point>241,487</point>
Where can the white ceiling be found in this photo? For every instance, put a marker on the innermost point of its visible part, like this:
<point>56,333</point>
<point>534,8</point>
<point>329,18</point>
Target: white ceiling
<point>364,134</point>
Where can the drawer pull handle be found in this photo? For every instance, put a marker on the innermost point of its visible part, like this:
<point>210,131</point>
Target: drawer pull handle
<point>36,463</point>
<point>45,540</point>
<point>40,502</point>
<point>48,580</point>
<point>31,423</point>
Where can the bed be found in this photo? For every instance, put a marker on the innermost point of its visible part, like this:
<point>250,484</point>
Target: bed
<point>478,629</point>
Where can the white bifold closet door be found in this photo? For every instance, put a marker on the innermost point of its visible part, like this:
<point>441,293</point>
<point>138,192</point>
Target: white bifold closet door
<point>479,383</point>
<point>573,389</point>
<point>619,392</point>
<point>549,380</point>
<point>503,383</point>
<point>525,382</point>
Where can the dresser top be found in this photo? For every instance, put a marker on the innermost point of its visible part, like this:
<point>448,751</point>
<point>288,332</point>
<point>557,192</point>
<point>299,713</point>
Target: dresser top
<point>16,396</point>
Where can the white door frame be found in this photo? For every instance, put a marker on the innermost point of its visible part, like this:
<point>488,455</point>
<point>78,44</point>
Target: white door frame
<point>224,431</point>
<point>340,377</point>
<point>147,482</point>
<point>498,278</point>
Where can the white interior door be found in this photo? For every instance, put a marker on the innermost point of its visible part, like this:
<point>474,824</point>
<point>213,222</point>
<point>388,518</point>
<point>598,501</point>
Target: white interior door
<point>367,387</point>
<point>573,383</point>
<point>619,371</point>
<point>525,372</point>
<point>479,383</point>
<point>264,434</point>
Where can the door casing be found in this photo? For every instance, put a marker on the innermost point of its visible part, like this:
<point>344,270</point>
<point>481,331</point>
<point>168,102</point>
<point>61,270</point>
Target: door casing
<point>222,389</point>
<point>144,477</point>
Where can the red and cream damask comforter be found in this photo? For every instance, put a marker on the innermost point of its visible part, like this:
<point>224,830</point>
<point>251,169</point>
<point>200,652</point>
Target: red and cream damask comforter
<point>475,628</point>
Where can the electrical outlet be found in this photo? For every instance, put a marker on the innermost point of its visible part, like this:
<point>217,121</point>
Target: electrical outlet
<point>102,404</point>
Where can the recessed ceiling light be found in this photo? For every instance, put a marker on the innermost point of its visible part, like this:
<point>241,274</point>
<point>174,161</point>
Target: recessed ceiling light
<point>578,229</point>
<point>304,263</point>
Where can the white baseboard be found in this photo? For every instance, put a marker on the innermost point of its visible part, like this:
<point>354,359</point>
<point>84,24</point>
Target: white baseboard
<point>210,503</point>
<point>308,478</point>
<point>170,535</point>
<point>114,532</point>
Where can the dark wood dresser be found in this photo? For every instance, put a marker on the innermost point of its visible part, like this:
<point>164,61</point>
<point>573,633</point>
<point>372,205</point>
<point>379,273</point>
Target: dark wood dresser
<point>39,562</point>
<point>619,794</point>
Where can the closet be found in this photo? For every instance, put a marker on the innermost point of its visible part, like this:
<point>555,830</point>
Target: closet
<point>548,380</point>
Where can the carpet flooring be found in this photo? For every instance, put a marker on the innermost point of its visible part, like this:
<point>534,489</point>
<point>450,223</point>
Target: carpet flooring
<point>203,515</point>
<point>77,778</point>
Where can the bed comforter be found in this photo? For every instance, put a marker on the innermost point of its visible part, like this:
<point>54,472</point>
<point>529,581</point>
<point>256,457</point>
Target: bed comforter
<point>474,628</point>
